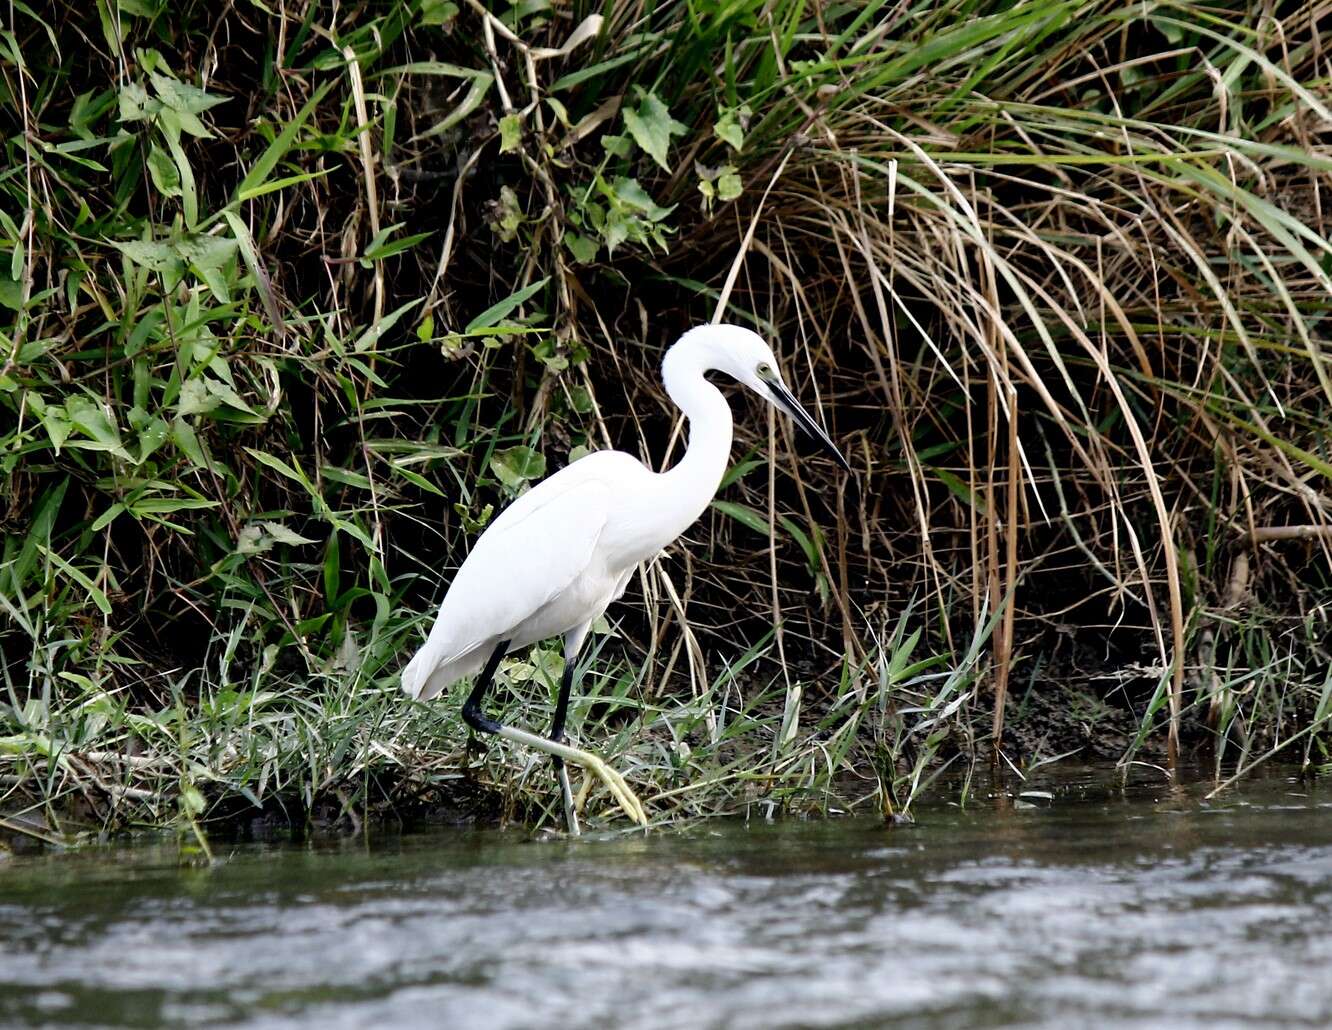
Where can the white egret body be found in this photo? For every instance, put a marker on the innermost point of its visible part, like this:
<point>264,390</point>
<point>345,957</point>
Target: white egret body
<point>553,561</point>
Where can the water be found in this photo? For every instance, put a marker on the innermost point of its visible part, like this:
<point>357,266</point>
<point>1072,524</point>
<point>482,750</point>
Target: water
<point>1100,907</point>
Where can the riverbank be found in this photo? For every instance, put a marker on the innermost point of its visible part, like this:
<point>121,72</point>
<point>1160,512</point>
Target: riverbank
<point>296,300</point>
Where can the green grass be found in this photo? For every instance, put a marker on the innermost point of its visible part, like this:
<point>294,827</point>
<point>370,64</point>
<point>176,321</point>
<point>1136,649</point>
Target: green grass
<point>296,299</point>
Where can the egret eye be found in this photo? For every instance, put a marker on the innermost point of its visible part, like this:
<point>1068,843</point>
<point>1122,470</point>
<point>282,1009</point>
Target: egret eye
<point>764,370</point>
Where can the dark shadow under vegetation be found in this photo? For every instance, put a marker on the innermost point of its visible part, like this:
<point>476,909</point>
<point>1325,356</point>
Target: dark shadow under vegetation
<point>296,297</point>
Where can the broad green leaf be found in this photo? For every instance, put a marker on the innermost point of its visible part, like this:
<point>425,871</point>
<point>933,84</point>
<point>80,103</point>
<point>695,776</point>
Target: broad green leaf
<point>283,535</point>
<point>135,104</point>
<point>185,438</point>
<point>152,254</point>
<point>652,127</point>
<point>195,398</point>
<point>617,146</point>
<point>517,465</point>
<point>511,133</point>
<point>151,436</point>
<point>582,248</point>
<point>90,417</point>
<point>437,13</point>
<point>163,171</point>
<point>203,251</point>
<point>57,426</point>
<point>11,293</point>
<point>181,96</point>
<point>730,126</point>
<point>627,191</point>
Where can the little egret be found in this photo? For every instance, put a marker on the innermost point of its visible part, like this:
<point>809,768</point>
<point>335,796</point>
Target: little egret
<point>553,561</point>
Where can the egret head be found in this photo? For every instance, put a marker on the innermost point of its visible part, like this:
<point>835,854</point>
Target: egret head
<point>743,355</point>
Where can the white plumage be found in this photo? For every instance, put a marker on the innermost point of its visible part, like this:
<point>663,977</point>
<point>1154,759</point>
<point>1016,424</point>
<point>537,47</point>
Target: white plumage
<point>552,562</point>
<point>537,572</point>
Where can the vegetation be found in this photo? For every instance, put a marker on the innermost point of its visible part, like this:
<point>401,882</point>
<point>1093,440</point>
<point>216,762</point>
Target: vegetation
<point>298,295</point>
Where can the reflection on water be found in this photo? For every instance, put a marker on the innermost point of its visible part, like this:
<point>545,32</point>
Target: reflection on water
<point>1102,907</point>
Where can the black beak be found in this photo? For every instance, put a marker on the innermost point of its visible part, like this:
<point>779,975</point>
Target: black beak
<point>781,396</point>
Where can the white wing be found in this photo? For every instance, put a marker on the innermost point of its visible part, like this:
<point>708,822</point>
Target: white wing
<point>532,552</point>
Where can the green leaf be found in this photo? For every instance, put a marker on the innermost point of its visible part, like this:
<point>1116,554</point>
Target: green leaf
<point>107,517</point>
<point>151,254</point>
<point>481,83</point>
<point>474,524</point>
<point>631,194</point>
<point>416,479</point>
<point>293,473</point>
<point>189,196</point>
<point>260,275</point>
<point>507,214</point>
<point>957,488</point>
<point>184,98</point>
<point>91,418</point>
<point>283,535</point>
<point>802,538</point>
<point>11,293</point>
<point>277,150</point>
<point>517,465</point>
<point>582,249</point>
<point>494,314</point>
<point>191,801</point>
<point>95,595</point>
<point>437,13</point>
<point>744,515</point>
<point>730,126</point>
<point>135,104</point>
<point>279,184</point>
<point>163,171</point>
<point>196,399</point>
<point>187,441</point>
<point>381,246</point>
<point>652,127</point>
<point>57,426</point>
<point>151,437</point>
<point>206,251</point>
<point>372,335</point>
<point>511,133</point>
<point>617,146</point>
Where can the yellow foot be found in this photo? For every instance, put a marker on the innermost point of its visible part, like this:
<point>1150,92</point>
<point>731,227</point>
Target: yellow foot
<point>614,782</point>
<point>624,797</point>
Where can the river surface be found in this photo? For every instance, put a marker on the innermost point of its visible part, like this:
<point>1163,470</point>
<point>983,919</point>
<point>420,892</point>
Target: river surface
<point>1095,906</point>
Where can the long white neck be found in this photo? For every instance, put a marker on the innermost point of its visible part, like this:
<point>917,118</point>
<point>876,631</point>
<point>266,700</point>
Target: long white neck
<point>690,485</point>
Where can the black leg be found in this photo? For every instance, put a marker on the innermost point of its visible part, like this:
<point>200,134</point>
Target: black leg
<point>471,710</point>
<point>562,708</point>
